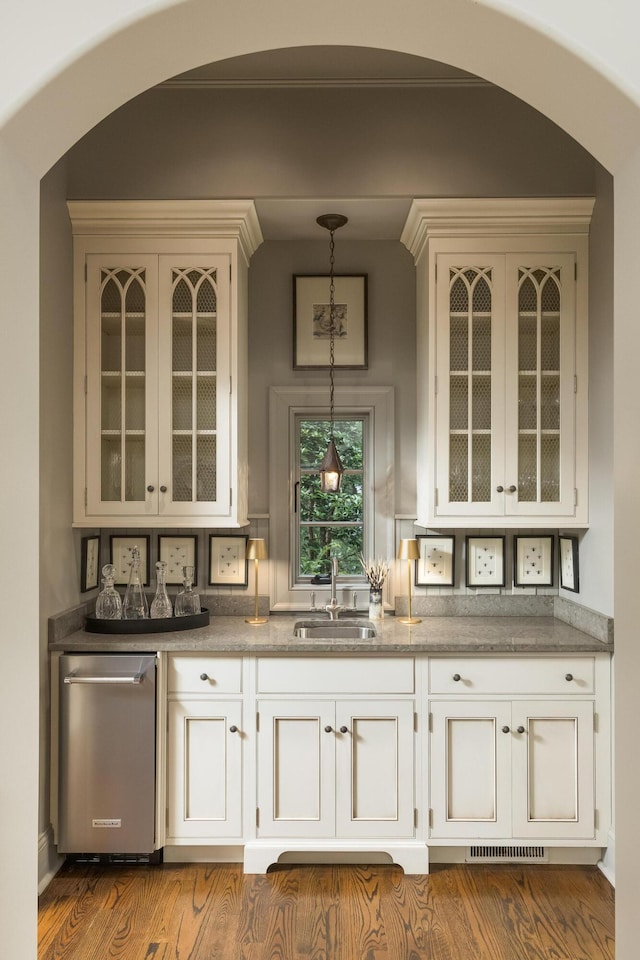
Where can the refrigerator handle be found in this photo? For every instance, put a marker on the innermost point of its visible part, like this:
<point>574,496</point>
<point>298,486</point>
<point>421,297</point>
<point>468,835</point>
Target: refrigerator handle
<point>136,678</point>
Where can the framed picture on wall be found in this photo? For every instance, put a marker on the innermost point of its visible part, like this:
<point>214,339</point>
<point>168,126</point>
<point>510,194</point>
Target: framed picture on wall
<point>484,561</point>
<point>89,563</point>
<point>311,322</point>
<point>436,563</point>
<point>533,561</point>
<point>121,548</point>
<point>228,560</point>
<point>569,571</point>
<point>179,552</point>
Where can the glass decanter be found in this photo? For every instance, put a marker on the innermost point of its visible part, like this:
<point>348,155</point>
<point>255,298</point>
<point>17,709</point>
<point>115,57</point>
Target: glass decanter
<point>187,601</point>
<point>161,604</point>
<point>108,604</point>
<point>135,605</point>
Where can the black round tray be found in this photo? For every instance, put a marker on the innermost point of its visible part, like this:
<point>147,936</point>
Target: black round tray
<point>165,625</point>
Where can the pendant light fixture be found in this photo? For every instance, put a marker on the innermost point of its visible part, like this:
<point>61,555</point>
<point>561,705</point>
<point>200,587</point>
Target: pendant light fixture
<point>331,468</point>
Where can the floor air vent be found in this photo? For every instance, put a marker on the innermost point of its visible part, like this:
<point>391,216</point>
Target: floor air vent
<point>513,854</point>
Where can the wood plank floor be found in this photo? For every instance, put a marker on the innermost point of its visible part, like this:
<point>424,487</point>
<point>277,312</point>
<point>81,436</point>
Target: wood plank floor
<point>328,912</point>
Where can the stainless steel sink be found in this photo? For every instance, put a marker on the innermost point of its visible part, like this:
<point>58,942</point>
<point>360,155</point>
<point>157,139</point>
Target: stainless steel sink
<point>334,629</point>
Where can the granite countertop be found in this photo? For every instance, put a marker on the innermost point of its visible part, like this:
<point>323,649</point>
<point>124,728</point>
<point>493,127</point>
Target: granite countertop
<point>435,635</point>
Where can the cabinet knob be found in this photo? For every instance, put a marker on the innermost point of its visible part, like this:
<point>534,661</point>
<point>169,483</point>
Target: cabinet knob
<point>344,730</point>
<point>520,729</point>
<point>233,728</point>
<point>457,677</point>
<point>500,489</point>
<point>505,729</point>
<point>512,488</point>
<point>151,488</point>
<point>328,729</point>
<point>163,489</point>
<point>568,677</point>
<point>204,676</point>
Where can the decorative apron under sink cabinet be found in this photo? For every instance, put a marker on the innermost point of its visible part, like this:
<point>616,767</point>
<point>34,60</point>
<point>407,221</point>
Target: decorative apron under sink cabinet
<point>515,752</point>
<point>502,361</point>
<point>160,375</point>
<point>336,761</point>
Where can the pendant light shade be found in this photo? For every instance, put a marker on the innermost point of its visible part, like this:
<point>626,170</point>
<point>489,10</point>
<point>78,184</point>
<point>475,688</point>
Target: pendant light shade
<point>331,468</point>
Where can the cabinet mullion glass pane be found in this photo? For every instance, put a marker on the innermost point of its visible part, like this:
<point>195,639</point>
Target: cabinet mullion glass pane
<point>205,362</point>
<point>122,365</point>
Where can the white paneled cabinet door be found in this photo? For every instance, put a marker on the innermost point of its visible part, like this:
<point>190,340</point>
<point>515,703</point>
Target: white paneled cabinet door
<point>195,386</point>
<point>469,388</point>
<point>374,775</point>
<point>121,385</point>
<point>204,773</point>
<point>470,781</point>
<point>296,769</point>
<point>553,769</point>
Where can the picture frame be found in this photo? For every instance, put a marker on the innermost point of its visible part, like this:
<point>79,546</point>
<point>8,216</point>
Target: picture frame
<point>227,560</point>
<point>533,561</point>
<point>436,563</point>
<point>178,552</point>
<point>484,561</point>
<point>568,565</point>
<point>89,563</point>
<point>311,321</point>
<point>120,552</point>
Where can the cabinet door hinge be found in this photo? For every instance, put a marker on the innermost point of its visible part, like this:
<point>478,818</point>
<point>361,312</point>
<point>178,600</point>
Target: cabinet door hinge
<point>230,496</point>
<point>85,496</point>
<point>575,270</point>
<point>229,274</point>
<point>430,817</point>
<point>415,721</point>
<point>435,496</point>
<point>415,816</point>
<point>230,385</point>
<point>595,723</point>
<point>257,816</point>
<point>257,722</point>
<point>85,385</point>
<point>430,723</point>
<point>435,386</point>
<point>86,272</point>
<point>575,383</point>
<point>596,819</point>
<point>575,496</point>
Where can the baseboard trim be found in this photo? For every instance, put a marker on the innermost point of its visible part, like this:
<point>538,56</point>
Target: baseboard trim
<point>49,860</point>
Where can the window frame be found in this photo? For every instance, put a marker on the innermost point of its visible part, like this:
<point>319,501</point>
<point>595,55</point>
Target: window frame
<point>287,403</point>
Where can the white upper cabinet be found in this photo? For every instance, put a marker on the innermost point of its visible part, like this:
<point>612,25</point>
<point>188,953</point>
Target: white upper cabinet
<point>502,361</point>
<point>160,435</point>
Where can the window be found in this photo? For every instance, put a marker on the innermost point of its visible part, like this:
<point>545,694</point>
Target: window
<point>305,527</point>
<point>328,524</point>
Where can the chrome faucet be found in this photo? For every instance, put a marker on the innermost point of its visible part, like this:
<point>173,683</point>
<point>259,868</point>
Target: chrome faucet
<point>333,608</point>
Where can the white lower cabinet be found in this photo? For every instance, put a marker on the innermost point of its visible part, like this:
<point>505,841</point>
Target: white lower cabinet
<point>521,769</point>
<point>336,769</point>
<point>204,770</point>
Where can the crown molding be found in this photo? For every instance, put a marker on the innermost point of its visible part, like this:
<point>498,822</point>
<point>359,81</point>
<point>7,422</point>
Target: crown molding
<point>236,219</point>
<point>473,217</point>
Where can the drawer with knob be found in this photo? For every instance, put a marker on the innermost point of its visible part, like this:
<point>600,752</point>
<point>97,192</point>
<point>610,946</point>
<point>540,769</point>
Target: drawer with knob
<point>202,673</point>
<point>526,676</point>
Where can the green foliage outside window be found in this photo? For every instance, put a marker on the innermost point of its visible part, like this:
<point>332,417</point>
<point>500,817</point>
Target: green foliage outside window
<point>330,524</point>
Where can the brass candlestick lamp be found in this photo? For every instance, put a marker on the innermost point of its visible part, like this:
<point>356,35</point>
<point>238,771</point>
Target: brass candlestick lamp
<point>256,551</point>
<point>408,550</point>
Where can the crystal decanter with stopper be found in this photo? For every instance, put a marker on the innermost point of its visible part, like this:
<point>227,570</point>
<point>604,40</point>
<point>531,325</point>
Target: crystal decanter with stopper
<point>108,604</point>
<point>161,605</point>
<point>187,601</point>
<point>135,605</point>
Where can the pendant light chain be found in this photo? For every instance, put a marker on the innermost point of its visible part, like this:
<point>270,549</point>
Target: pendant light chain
<point>332,328</point>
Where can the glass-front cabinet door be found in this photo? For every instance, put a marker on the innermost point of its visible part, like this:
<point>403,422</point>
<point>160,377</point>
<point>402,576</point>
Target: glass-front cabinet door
<point>470,385</point>
<point>540,411</point>
<point>505,385</point>
<point>121,385</point>
<point>195,386</point>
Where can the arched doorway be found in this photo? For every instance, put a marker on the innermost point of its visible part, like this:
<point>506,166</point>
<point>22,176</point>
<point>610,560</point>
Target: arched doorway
<point>44,119</point>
